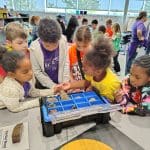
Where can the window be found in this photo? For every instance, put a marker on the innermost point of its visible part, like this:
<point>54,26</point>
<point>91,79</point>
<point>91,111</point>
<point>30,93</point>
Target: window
<point>105,7</point>
<point>135,5</point>
<point>146,6</point>
<point>26,5</point>
<point>117,5</point>
<point>68,4</point>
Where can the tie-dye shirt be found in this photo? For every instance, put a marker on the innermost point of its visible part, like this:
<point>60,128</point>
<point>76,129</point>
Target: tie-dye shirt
<point>135,95</point>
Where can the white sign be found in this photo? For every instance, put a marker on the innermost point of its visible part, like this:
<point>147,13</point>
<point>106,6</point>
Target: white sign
<point>6,138</point>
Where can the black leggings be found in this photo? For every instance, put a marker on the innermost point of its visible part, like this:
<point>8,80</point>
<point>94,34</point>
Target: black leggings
<point>116,63</point>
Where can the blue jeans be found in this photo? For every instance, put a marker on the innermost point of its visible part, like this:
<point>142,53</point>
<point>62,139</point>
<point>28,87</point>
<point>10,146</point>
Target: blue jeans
<point>131,55</point>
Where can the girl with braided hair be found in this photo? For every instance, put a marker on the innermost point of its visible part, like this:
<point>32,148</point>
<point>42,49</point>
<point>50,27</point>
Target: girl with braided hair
<point>136,87</point>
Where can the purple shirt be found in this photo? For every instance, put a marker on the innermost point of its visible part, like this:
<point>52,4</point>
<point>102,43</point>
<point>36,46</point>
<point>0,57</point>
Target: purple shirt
<point>51,62</point>
<point>26,87</point>
<point>138,25</point>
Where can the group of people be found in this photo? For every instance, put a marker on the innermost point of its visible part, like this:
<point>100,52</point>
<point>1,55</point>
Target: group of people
<point>48,66</point>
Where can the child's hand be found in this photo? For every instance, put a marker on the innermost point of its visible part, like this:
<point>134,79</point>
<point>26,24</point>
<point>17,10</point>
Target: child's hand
<point>119,95</point>
<point>58,88</point>
<point>66,86</point>
<point>62,87</point>
<point>90,88</point>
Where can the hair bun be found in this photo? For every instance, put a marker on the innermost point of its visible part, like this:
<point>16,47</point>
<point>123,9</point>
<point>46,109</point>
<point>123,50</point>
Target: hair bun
<point>103,46</point>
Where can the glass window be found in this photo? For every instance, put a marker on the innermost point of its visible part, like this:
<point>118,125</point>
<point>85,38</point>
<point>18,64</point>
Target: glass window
<point>104,4</point>
<point>147,6</point>
<point>26,5</point>
<point>79,4</point>
<point>39,5</point>
<point>70,6</point>
<point>62,4</point>
<point>135,5</point>
<point>2,3</point>
<point>117,5</point>
<point>89,4</point>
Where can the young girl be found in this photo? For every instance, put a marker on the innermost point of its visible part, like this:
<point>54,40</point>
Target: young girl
<point>82,43</point>
<point>116,38</point>
<point>134,87</point>
<point>97,72</point>
<point>18,84</point>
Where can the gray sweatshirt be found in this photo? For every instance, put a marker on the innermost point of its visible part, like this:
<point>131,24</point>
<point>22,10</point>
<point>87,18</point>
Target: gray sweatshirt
<point>37,60</point>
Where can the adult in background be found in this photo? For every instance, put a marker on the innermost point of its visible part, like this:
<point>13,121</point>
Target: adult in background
<point>61,22</point>
<point>139,33</point>
<point>72,25</point>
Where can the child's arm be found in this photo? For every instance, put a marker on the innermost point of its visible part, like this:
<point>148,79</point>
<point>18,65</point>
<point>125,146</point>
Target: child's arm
<point>66,70</point>
<point>37,69</point>
<point>17,106</point>
<point>114,37</point>
<point>122,95</point>
<point>118,95</point>
<point>45,92</point>
<point>14,105</point>
<point>34,92</point>
<point>75,85</point>
<point>12,102</point>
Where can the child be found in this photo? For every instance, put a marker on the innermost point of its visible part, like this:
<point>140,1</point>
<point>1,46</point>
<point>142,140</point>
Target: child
<point>49,56</point>
<point>133,87</point>
<point>35,23</point>
<point>116,38</point>
<point>16,38</point>
<point>102,31</point>
<point>17,85</point>
<point>97,72</point>
<point>85,21</point>
<point>108,28</point>
<point>94,25</point>
<point>82,41</point>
